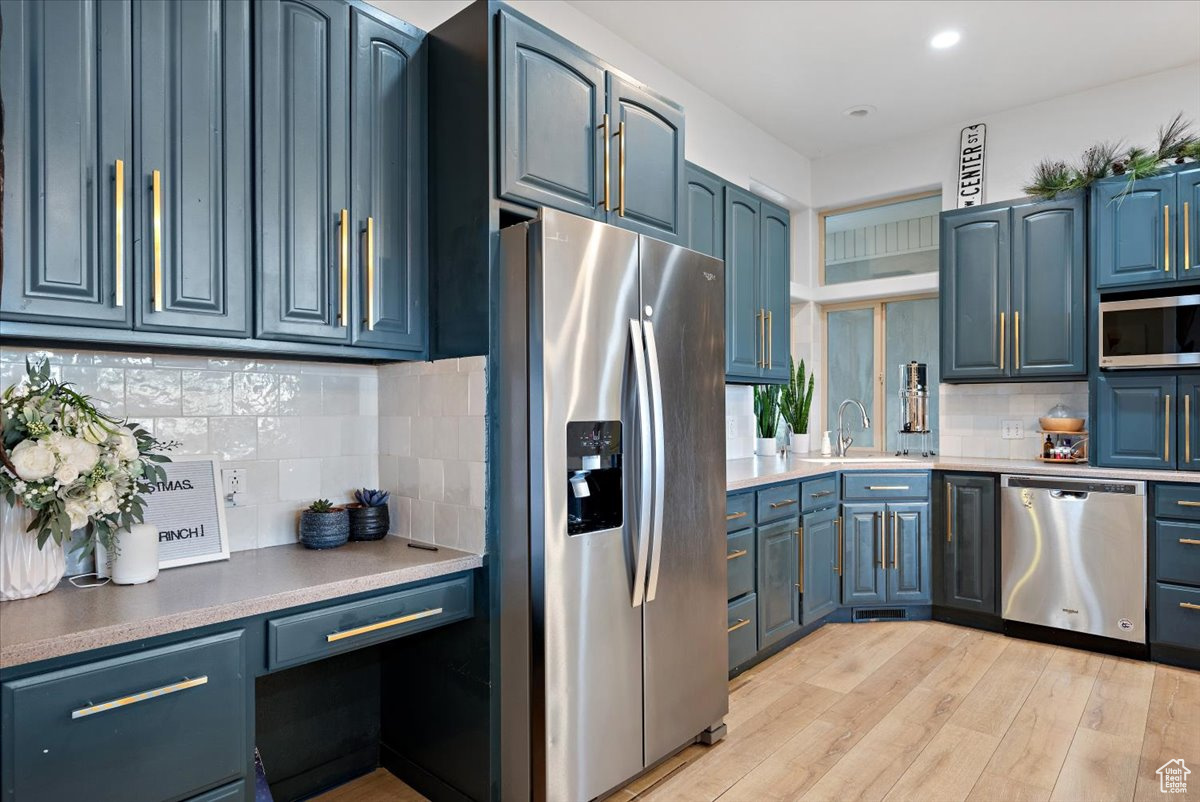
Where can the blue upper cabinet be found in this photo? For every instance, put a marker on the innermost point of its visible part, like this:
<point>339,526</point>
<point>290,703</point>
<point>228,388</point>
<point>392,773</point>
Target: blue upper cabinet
<point>1188,222</point>
<point>1132,236</point>
<point>552,135</point>
<point>305,236</point>
<point>1187,453</point>
<point>974,294</point>
<point>1049,292</point>
<point>68,143</point>
<point>745,323</point>
<point>646,167</point>
<point>1136,421</point>
<point>775,289</point>
<point>192,178</point>
<point>388,307</point>
<point>705,212</point>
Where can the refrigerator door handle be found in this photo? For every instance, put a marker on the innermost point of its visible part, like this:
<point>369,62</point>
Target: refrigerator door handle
<point>647,459</point>
<point>660,469</point>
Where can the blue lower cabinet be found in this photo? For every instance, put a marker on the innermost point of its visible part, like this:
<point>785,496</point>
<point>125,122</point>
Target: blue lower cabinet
<point>1187,420</point>
<point>1177,615</point>
<point>778,581</point>
<point>1136,421</point>
<point>742,626</point>
<point>819,594</point>
<point>908,568</point>
<point>863,579</point>
<point>1177,552</point>
<point>153,725</point>
<point>739,561</point>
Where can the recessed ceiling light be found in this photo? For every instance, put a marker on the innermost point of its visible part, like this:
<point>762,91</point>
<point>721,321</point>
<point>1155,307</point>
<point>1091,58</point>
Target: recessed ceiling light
<point>858,112</point>
<point>945,39</point>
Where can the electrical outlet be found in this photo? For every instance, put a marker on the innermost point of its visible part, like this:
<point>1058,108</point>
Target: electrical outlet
<point>730,427</point>
<point>234,482</point>
<point>1011,430</point>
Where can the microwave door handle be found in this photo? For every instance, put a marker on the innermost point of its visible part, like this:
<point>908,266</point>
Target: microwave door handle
<point>660,470</point>
<point>644,467</point>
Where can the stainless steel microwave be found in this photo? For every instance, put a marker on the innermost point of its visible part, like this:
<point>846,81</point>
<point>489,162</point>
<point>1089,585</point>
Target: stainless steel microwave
<point>1150,332</point>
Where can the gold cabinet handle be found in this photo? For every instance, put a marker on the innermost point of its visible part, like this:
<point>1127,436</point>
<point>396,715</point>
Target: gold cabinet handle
<point>733,516</point>
<point>134,698</point>
<point>1003,363</point>
<point>761,317</point>
<point>838,523</point>
<point>880,524</point>
<point>333,637</point>
<point>156,286</point>
<point>1016,340</point>
<point>949,512</point>
<point>741,622</point>
<point>1188,503</point>
<point>1167,428</point>
<point>895,541</point>
<point>607,165</point>
<point>1187,428</point>
<point>787,502</point>
<point>1189,541</point>
<point>119,233</point>
<point>370,274</point>
<point>1187,240</point>
<point>820,494</point>
<point>343,267</point>
<point>887,487</point>
<point>800,559</point>
<point>1189,606</point>
<point>733,555</point>
<point>621,167</point>
<point>1166,239</point>
<point>770,346</point>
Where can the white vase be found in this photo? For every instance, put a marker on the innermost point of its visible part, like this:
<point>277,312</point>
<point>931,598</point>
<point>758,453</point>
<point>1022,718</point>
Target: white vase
<point>136,560</point>
<point>766,447</point>
<point>798,443</point>
<point>26,570</point>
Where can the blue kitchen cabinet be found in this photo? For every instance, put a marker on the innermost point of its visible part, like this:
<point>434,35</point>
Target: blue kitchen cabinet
<point>967,545</point>
<point>819,592</point>
<point>302,105</point>
<point>1136,421</point>
<point>1132,236</point>
<point>775,291</point>
<point>745,323</point>
<point>65,73</point>
<point>863,575</point>
<point>1049,288</point>
<point>974,295</point>
<point>908,574</point>
<point>646,167</point>
<point>1187,452</point>
<point>778,589</point>
<point>192,178</point>
<point>705,212</point>
<point>552,125</point>
<point>1187,189</point>
<point>389,307</point>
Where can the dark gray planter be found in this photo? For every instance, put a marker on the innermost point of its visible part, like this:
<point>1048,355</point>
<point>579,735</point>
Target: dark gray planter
<point>368,523</point>
<point>324,530</point>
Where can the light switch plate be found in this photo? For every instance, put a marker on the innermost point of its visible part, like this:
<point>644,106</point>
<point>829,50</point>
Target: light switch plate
<point>1011,430</point>
<point>730,426</point>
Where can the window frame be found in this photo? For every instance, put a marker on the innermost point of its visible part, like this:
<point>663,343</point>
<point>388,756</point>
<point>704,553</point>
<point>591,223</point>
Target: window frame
<point>858,207</point>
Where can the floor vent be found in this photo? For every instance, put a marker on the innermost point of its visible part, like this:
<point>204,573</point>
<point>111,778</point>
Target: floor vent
<point>880,614</point>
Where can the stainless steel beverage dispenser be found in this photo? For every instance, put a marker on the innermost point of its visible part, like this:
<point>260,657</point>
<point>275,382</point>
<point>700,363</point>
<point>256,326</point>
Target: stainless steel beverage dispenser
<point>914,408</point>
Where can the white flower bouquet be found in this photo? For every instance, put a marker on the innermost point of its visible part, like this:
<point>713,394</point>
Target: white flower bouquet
<point>72,465</point>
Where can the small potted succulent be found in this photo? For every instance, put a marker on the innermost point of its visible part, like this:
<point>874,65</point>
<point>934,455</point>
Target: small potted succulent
<point>369,515</point>
<point>324,526</point>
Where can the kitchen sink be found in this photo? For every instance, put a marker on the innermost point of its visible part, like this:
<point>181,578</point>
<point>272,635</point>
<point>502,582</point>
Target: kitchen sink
<point>872,460</point>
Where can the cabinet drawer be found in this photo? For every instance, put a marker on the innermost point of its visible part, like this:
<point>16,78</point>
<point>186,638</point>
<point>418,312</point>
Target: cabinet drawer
<point>739,556</point>
<point>739,511</point>
<point>1177,501</point>
<point>1177,552</point>
<point>776,503</point>
<point>301,638</point>
<point>870,486</point>
<point>176,715</point>
<point>1177,615</point>
<point>742,624</point>
<point>819,493</point>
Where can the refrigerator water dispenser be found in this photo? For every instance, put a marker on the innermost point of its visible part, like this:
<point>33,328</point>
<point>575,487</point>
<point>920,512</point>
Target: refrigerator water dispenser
<point>594,497</point>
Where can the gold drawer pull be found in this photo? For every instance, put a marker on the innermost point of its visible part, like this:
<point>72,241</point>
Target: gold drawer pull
<point>1189,541</point>
<point>733,516</point>
<point>887,487</point>
<point>733,555</point>
<point>134,698</point>
<point>1188,503</point>
<point>820,494</point>
<point>391,622</point>
<point>1189,606</point>
<point>741,622</point>
<point>787,502</point>
<point>156,280</point>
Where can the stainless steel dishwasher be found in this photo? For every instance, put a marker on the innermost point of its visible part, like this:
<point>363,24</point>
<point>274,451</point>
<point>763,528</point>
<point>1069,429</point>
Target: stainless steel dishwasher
<point>1073,554</point>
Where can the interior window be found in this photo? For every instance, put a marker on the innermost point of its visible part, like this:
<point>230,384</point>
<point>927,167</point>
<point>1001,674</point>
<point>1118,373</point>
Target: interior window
<point>895,238</point>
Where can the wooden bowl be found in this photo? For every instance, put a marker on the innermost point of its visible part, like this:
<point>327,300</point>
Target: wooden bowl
<point>1065,425</point>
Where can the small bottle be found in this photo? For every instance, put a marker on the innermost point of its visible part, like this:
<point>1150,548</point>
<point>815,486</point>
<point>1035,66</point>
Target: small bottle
<point>1047,448</point>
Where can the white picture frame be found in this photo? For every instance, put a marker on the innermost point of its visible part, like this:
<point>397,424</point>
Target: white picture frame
<point>186,509</point>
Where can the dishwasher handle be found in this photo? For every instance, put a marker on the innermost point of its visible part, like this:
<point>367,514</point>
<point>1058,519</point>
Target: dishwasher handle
<point>1071,494</point>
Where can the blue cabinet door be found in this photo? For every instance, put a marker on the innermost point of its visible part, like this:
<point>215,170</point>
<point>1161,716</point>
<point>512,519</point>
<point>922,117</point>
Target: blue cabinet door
<point>1136,421</point>
<point>778,581</point>
<point>1049,290</point>
<point>1188,450</point>
<point>646,167</point>
<point>774,282</point>
<point>975,283</point>
<point>819,591</point>
<point>745,323</point>
<point>68,144</point>
<point>1132,238</point>
<point>388,308</point>
<point>968,544</point>
<point>908,574</point>
<point>192,180</point>
<point>705,212</point>
<point>305,242</point>
<point>552,105</point>
<point>1187,222</point>
<point>863,580</point>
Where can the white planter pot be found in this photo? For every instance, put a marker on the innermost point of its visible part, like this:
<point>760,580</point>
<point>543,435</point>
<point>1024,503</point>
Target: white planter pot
<point>766,447</point>
<point>26,570</point>
<point>798,443</point>
<point>136,560</point>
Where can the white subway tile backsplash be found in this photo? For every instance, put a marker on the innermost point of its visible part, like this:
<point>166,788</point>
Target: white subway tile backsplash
<point>432,480</point>
<point>152,392</point>
<point>190,433</point>
<point>255,394</point>
<point>300,479</point>
<point>233,438</point>
<point>971,416</point>
<point>207,393</point>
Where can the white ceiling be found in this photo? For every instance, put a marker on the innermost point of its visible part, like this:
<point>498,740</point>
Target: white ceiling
<point>793,67</point>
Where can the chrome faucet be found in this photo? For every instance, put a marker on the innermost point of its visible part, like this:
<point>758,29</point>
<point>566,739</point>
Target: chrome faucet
<point>843,437</point>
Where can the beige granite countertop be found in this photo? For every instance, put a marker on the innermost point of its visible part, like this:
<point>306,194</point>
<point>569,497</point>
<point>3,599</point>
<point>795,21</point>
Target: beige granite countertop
<point>69,619</point>
<point>741,474</point>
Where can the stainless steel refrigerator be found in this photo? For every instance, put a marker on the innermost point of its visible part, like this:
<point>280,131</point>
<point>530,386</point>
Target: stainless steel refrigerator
<point>609,382</point>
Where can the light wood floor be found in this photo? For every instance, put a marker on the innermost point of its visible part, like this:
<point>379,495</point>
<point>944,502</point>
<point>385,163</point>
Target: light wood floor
<point>930,712</point>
